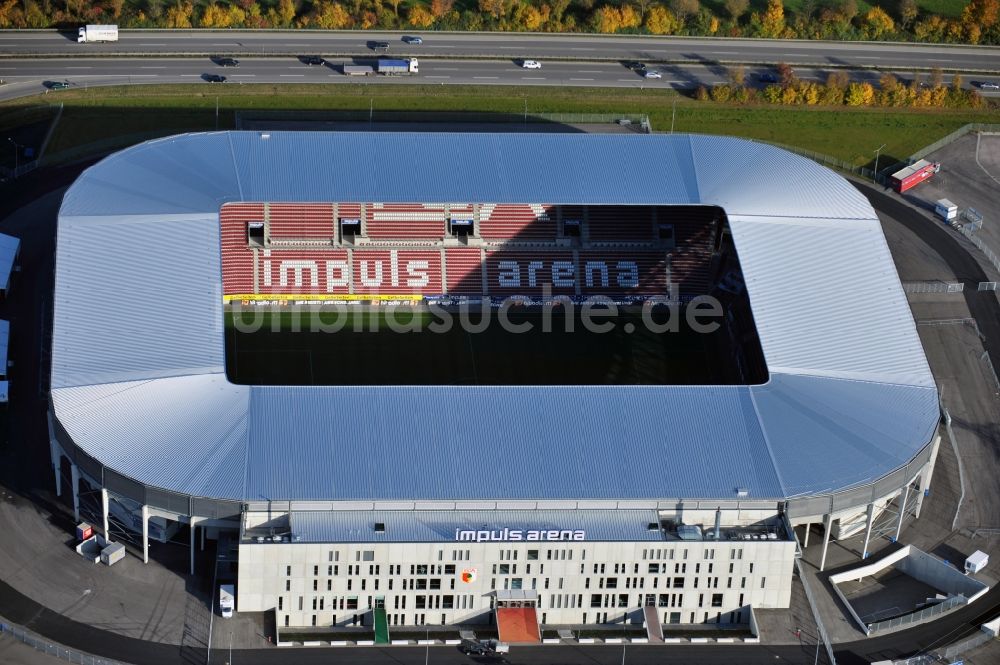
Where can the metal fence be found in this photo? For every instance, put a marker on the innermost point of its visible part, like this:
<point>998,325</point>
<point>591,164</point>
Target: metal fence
<point>51,648</point>
<point>954,136</point>
<point>991,256</point>
<point>933,287</point>
<point>917,617</point>
<point>949,652</point>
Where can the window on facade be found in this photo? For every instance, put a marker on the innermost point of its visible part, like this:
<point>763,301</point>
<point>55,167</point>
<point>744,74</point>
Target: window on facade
<point>654,568</point>
<point>763,581</point>
<point>515,583</point>
<point>288,585</point>
<point>421,602</point>
<point>352,602</point>
<point>449,569</point>
<point>288,571</point>
<point>595,600</point>
<point>281,603</point>
<point>421,569</point>
<point>435,584</point>
<point>678,582</point>
<point>419,584</point>
<point>447,602</point>
<point>611,583</point>
<point>532,555</point>
<point>315,585</point>
<point>505,569</point>
<point>623,600</point>
<point>716,600</point>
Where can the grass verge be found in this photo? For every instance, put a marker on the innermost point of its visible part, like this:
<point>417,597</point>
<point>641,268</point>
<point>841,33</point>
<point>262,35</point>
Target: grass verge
<point>104,119</point>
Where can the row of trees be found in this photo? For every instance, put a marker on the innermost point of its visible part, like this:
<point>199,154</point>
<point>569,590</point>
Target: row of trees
<point>816,19</point>
<point>840,91</point>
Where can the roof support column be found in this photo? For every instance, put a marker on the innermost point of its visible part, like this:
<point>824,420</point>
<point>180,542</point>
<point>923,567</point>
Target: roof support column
<point>827,523</point>
<point>868,530</point>
<point>104,513</point>
<point>145,533</point>
<point>194,527</point>
<point>902,510</point>
<point>925,476</point>
<point>805,541</point>
<point>75,472</point>
<point>55,454</point>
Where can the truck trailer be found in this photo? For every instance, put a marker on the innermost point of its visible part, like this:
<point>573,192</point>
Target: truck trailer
<point>97,33</point>
<point>914,174</point>
<point>385,67</point>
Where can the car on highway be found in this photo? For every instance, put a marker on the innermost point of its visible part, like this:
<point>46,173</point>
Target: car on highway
<point>989,85</point>
<point>215,78</point>
<point>312,60</point>
<point>377,45</point>
<point>635,66</point>
<point>767,77</point>
<point>58,85</point>
<point>228,62</point>
<point>416,41</point>
<point>652,74</point>
<point>531,64</point>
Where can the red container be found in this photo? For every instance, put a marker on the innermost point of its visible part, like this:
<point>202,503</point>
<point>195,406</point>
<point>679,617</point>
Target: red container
<point>84,531</point>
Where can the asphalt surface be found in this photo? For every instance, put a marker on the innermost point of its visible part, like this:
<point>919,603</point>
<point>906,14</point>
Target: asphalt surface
<point>27,77</point>
<point>537,46</point>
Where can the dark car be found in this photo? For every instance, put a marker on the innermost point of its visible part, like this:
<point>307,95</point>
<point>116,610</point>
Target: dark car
<point>767,77</point>
<point>215,78</point>
<point>413,40</point>
<point>228,62</point>
<point>58,85</point>
<point>635,66</point>
<point>375,46</point>
<point>312,60</point>
<point>473,648</point>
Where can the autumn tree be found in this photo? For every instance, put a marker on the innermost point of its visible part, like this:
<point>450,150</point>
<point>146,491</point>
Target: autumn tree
<point>877,23</point>
<point>737,75</point>
<point>937,78</point>
<point>908,11</point>
<point>837,80</point>
<point>331,15</point>
<point>786,75</point>
<point>661,21</point>
<point>495,8</point>
<point>629,17</point>
<point>179,15</point>
<point>860,94</point>
<point>606,19</point>
<point>684,9</point>
<point>420,16</point>
<point>982,13</point>
<point>116,7</point>
<point>441,7</point>
<point>736,8</point>
<point>772,22</point>
<point>286,12</point>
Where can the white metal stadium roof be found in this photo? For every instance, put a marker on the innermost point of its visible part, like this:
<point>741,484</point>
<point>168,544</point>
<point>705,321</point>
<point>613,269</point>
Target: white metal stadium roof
<point>138,377</point>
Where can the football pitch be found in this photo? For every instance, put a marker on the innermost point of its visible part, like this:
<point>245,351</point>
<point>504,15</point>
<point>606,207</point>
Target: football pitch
<point>417,346</point>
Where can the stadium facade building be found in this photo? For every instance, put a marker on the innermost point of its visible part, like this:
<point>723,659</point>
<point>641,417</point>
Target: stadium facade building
<point>425,504</point>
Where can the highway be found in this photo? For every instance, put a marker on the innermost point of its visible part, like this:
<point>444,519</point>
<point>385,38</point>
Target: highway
<point>508,45</point>
<point>30,76</point>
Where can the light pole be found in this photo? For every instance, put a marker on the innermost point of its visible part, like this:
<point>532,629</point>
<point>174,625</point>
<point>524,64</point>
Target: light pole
<point>427,644</point>
<point>673,116</point>
<point>230,648</point>
<point>877,151</point>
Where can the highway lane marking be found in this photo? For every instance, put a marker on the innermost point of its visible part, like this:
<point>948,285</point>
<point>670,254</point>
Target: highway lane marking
<point>79,67</point>
<point>572,79</point>
<point>148,44</point>
<point>437,77</point>
<point>579,48</point>
<point>485,77</point>
<point>192,75</point>
<point>152,68</point>
<point>293,75</point>
<point>590,71</point>
<point>442,46</point>
<point>446,69</point>
<point>242,76</point>
<point>532,78</point>
<point>727,53</point>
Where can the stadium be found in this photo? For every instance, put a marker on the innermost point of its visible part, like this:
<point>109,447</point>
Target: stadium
<point>530,479</point>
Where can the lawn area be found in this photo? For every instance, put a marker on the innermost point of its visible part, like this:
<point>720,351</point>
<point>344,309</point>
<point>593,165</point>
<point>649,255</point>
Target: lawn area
<point>103,119</point>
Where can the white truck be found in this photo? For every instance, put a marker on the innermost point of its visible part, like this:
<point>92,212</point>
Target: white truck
<point>97,33</point>
<point>227,600</point>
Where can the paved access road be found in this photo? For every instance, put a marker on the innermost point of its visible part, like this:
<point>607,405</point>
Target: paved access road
<point>506,45</point>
